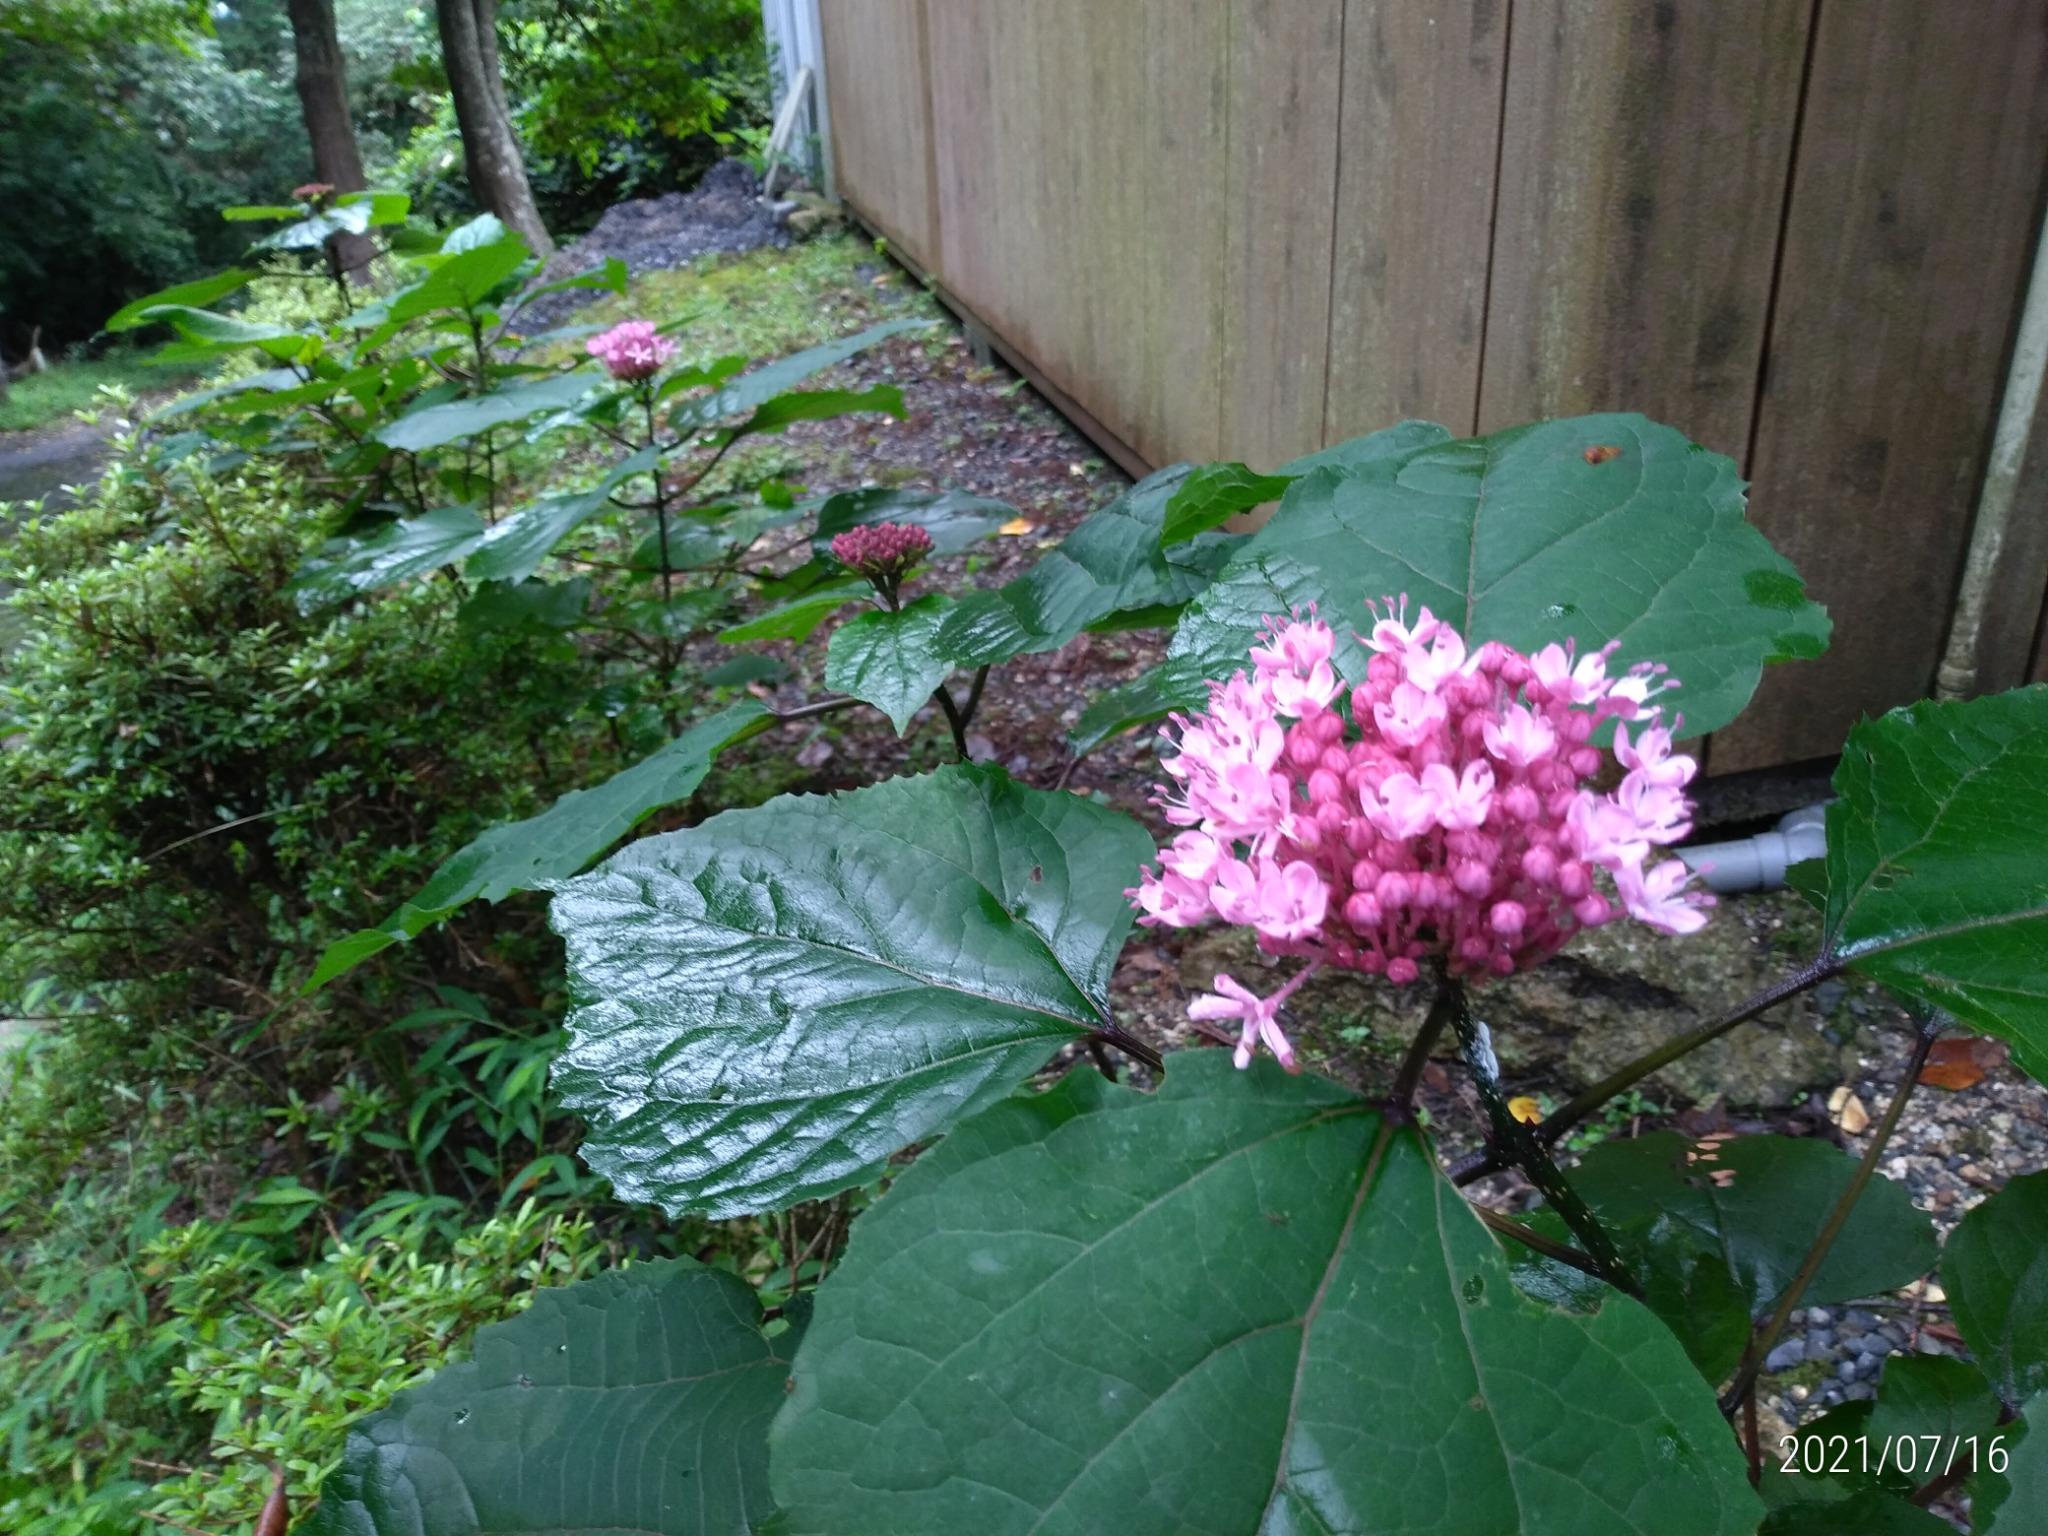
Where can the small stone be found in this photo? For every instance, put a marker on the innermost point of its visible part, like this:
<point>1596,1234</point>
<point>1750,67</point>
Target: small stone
<point>1800,1392</point>
<point>1868,1364</point>
<point>1820,1316</point>
<point>1786,1355</point>
<point>1859,1391</point>
<point>1864,1320</point>
<point>1846,1370</point>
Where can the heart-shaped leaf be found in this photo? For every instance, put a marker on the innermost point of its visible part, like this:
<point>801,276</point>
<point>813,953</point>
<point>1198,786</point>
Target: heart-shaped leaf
<point>637,1402</point>
<point>525,855</point>
<point>770,1004</point>
<point>1595,529</point>
<point>1937,862</point>
<point>888,658</point>
<point>1244,1303</point>
<point>1995,1270</point>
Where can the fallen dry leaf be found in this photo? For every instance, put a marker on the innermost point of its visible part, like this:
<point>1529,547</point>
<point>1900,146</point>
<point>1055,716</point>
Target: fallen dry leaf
<point>1961,1061</point>
<point>1600,453</point>
<point>1017,527</point>
<point>1526,1109</point>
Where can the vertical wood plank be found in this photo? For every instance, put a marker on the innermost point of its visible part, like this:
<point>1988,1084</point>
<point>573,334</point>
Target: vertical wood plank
<point>1418,140</point>
<point>1922,155</point>
<point>880,107</point>
<point>1081,161</point>
<point>1643,166</point>
<point>1286,67</point>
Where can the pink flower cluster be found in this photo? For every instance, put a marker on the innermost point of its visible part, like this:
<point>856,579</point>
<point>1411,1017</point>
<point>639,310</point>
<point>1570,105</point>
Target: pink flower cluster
<point>631,350</point>
<point>883,552</point>
<point>1438,810</point>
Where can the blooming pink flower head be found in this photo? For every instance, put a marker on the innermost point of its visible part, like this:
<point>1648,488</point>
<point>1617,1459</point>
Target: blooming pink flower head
<point>883,552</point>
<point>313,192</point>
<point>1439,811</point>
<point>631,350</point>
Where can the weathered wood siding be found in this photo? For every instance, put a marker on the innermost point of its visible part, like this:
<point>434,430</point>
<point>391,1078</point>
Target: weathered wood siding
<point>1799,230</point>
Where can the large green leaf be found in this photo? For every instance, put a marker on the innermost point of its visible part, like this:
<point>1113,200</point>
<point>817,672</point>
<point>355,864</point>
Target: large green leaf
<point>1213,636</point>
<point>1995,1270</point>
<point>786,410</point>
<point>1937,861</point>
<point>1529,536</point>
<point>515,547</point>
<point>795,619</point>
<point>407,548</point>
<point>201,292</point>
<point>1213,494</point>
<point>756,389</point>
<point>771,1003</point>
<point>955,519</point>
<point>2014,1500</point>
<point>1715,1231</point>
<point>632,1404</point>
<point>1244,1303</point>
<point>1869,1513</point>
<point>430,426</point>
<point>887,659</point>
<point>1111,563</point>
<point>525,855</point>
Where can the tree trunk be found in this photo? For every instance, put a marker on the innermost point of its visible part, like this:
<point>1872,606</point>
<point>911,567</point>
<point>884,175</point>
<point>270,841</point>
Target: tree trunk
<point>322,82</point>
<point>490,149</point>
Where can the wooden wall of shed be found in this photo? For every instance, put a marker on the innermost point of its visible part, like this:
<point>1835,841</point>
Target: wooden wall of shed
<point>1799,230</point>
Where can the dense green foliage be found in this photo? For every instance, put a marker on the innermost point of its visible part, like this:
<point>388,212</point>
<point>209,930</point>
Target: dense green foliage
<point>129,125</point>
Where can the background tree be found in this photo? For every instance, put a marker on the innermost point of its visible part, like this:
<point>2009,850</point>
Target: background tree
<point>321,79</point>
<point>490,147</point>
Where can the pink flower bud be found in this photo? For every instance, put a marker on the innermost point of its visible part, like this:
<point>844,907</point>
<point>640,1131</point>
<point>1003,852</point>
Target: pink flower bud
<point>1507,918</point>
<point>631,350</point>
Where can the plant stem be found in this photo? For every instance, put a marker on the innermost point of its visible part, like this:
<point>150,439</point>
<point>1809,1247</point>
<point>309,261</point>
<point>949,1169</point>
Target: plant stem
<point>1528,1153</point>
<point>1529,1237</point>
<point>1761,1343</point>
<point>1622,1079</point>
<point>953,719</point>
<point>1401,1100</point>
<point>974,694</point>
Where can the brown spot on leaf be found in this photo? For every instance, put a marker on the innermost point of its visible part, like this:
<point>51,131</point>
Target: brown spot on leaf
<point>1600,453</point>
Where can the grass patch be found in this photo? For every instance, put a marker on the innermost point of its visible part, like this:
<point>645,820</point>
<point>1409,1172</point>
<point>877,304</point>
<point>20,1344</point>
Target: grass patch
<point>768,303</point>
<point>68,386</point>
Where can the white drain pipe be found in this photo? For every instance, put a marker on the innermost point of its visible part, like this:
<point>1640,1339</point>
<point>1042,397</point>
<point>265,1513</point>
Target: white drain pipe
<point>1759,863</point>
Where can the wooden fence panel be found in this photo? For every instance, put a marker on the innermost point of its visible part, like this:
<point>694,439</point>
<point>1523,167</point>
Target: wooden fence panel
<point>876,69</point>
<point>1280,180</point>
<point>1643,167</point>
<point>1915,201</point>
<point>1083,171</point>
<point>1418,144</point>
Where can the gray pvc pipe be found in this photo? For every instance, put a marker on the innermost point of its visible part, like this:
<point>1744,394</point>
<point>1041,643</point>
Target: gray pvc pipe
<point>1759,863</point>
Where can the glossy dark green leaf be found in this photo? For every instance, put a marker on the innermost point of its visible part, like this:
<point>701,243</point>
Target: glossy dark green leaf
<point>632,1404</point>
<point>1111,562</point>
<point>1868,1513</point>
<point>770,1004</point>
<point>2013,1500</point>
<point>1530,536</point>
<point>888,659</point>
<point>199,293</point>
<point>1937,861</point>
<point>954,519</point>
<point>1995,1270</point>
<point>1243,1303</point>
<point>433,425</point>
<point>1213,494</point>
<point>515,547</point>
<point>1213,636</point>
<point>797,618</point>
<point>816,405</point>
<point>525,855</point>
<point>1714,1231</point>
<point>1933,1395</point>
<point>407,548</point>
<point>526,607</point>
<point>757,388</point>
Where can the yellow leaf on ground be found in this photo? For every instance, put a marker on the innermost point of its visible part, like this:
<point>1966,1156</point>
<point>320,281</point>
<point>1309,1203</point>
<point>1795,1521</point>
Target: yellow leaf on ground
<point>1526,1110</point>
<point>1016,527</point>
